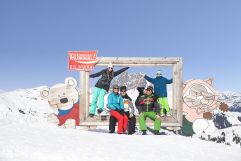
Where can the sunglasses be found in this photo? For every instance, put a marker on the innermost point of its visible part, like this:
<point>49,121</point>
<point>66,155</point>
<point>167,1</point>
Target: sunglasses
<point>123,91</point>
<point>116,88</point>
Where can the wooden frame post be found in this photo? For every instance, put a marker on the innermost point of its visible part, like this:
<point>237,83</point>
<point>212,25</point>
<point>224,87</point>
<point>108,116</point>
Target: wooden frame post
<point>84,95</point>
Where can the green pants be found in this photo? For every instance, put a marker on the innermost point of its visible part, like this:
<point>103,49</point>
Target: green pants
<point>163,102</point>
<point>152,116</point>
<point>98,96</point>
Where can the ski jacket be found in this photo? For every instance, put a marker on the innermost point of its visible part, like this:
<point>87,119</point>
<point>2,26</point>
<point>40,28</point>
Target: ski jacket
<point>160,85</point>
<point>148,103</point>
<point>115,102</point>
<point>105,80</point>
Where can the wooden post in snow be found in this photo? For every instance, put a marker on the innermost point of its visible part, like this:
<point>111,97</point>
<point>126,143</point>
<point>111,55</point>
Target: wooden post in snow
<point>82,102</point>
<point>87,87</point>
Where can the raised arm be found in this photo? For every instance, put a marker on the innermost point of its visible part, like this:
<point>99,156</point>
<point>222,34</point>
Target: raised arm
<point>120,71</point>
<point>169,81</point>
<point>98,73</point>
<point>149,79</point>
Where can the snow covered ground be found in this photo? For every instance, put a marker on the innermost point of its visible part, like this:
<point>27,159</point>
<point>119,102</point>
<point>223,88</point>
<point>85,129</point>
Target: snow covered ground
<point>41,142</point>
<point>25,135</point>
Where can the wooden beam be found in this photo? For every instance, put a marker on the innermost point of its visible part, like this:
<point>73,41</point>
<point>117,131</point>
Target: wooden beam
<point>87,91</point>
<point>83,95</point>
<point>180,93</point>
<point>164,124</point>
<point>174,90</point>
<point>138,61</point>
<point>135,65</point>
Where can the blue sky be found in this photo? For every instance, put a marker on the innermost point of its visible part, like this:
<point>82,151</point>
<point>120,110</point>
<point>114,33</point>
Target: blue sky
<point>36,35</point>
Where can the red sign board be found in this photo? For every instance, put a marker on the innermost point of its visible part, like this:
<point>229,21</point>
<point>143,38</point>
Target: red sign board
<point>82,60</point>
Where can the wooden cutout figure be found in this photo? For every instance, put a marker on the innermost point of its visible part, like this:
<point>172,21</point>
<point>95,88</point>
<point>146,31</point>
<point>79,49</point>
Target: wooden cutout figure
<point>199,101</point>
<point>64,100</point>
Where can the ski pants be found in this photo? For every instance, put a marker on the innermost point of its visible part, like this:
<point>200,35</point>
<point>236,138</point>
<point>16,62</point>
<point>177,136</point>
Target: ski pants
<point>122,120</point>
<point>98,96</point>
<point>152,116</point>
<point>163,102</point>
<point>131,123</point>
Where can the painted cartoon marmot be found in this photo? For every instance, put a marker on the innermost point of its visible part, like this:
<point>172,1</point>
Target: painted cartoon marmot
<point>199,101</point>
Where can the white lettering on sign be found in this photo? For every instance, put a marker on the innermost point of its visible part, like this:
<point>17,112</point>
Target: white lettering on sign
<point>75,56</point>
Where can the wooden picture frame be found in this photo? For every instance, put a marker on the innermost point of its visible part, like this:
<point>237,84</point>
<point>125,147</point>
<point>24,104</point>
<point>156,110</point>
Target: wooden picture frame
<point>174,62</point>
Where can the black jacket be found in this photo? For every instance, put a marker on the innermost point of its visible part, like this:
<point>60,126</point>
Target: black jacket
<point>127,97</point>
<point>105,80</point>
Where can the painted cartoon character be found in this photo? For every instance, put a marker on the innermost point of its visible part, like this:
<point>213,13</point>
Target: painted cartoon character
<point>199,101</point>
<point>64,99</point>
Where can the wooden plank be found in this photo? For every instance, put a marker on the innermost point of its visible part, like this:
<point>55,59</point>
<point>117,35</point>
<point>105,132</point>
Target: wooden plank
<point>174,89</point>
<point>82,96</point>
<point>180,93</point>
<point>87,93</point>
<point>140,59</point>
<point>136,65</point>
<point>163,124</point>
<point>136,61</point>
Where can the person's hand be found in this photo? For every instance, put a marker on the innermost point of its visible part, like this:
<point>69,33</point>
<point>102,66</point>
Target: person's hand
<point>142,74</point>
<point>131,115</point>
<point>158,117</point>
<point>141,113</point>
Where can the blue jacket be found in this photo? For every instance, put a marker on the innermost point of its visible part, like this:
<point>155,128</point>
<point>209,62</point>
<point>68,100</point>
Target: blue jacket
<point>115,102</point>
<point>160,85</point>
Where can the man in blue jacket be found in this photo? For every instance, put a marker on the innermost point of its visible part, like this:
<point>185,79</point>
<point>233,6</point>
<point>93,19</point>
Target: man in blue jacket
<point>160,90</point>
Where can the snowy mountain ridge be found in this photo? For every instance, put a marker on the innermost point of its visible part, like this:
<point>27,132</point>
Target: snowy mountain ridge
<point>131,81</point>
<point>232,99</point>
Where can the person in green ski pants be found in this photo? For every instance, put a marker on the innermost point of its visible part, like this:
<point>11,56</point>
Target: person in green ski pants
<point>160,90</point>
<point>148,107</point>
<point>102,87</point>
